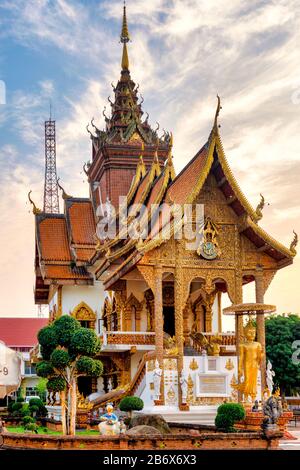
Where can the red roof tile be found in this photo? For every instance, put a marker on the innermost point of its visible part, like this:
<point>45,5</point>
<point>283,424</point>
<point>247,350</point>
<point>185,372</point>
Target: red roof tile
<point>21,332</point>
<point>54,239</point>
<point>82,222</point>
<point>184,183</point>
<point>65,272</point>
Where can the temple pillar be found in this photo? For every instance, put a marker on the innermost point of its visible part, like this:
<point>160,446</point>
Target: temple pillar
<point>159,327</point>
<point>179,304</point>
<point>239,328</point>
<point>219,299</point>
<point>260,322</point>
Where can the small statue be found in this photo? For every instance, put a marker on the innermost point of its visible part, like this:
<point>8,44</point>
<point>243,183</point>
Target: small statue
<point>270,374</point>
<point>157,373</point>
<point>109,384</point>
<point>122,426</point>
<point>184,385</point>
<point>255,407</point>
<point>250,357</point>
<point>110,425</point>
<point>272,411</point>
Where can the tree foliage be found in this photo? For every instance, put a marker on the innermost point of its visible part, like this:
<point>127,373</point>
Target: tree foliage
<point>68,351</point>
<point>281,332</point>
<point>131,403</point>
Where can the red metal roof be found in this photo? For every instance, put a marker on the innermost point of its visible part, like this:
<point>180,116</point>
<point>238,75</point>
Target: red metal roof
<point>21,332</point>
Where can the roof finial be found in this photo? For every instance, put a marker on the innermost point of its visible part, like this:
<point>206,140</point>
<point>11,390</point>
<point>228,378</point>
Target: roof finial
<point>170,162</point>
<point>64,194</point>
<point>124,38</point>
<point>294,243</point>
<point>35,210</point>
<point>219,107</point>
<point>260,207</point>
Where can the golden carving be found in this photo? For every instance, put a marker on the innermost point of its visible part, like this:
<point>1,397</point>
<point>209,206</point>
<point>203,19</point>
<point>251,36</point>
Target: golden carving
<point>193,364</point>
<point>229,364</point>
<point>209,247</point>
<point>190,395</point>
<point>171,396</point>
<point>125,338</point>
<point>151,365</point>
<point>83,312</point>
<point>171,349</point>
<point>294,244</point>
<point>260,207</point>
<point>83,403</point>
<point>234,393</point>
<point>170,364</point>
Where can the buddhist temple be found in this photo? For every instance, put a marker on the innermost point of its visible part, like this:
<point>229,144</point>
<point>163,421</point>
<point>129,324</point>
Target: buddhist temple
<point>155,299</point>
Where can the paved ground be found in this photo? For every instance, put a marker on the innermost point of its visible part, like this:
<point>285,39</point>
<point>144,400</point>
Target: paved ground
<point>291,444</point>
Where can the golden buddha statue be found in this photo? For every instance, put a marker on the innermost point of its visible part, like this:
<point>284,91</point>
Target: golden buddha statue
<point>250,358</point>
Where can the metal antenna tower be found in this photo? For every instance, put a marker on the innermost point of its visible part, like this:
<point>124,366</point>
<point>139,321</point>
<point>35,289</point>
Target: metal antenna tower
<point>51,201</point>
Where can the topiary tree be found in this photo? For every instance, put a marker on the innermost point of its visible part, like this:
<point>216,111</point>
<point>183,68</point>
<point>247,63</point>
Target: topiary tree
<point>227,415</point>
<point>37,408</point>
<point>68,351</point>
<point>130,404</point>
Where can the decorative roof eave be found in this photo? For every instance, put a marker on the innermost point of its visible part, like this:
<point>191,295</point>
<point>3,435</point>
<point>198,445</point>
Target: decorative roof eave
<point>152,174</point>
<point>288,253</point>
<point>232,181</point>
<point>169,174</point>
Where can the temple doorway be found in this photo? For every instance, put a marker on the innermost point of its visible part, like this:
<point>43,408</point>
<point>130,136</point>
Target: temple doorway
<point>169,320</point>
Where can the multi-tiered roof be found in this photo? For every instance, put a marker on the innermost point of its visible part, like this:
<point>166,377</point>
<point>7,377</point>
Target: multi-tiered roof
<point>129,159</point>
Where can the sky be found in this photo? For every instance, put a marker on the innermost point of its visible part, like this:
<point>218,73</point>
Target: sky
<point>183,52</point>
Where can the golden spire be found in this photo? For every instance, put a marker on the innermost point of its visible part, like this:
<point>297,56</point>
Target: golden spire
<point>124,38</point>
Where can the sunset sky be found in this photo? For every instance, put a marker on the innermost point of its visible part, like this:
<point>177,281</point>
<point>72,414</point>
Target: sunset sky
<point>183,52</point>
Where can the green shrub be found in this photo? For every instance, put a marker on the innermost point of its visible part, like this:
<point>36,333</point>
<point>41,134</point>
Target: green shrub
<point>25,411</point>
<point>224,423</point>
<point>35,402</point>
<point>20,399</point>
<point>227,415</point>
<point>27,420</point>
<point>31,427</point>
<point>130,404</point>
<point>16,407</point>
<point>235,410</point>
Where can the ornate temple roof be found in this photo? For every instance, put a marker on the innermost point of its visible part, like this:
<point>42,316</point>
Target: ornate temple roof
<point>184,189</point>
<point>66,243</point>
<point>126,124</point>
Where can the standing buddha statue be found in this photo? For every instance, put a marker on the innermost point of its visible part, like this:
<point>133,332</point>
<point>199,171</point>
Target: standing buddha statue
<point>250,358</point>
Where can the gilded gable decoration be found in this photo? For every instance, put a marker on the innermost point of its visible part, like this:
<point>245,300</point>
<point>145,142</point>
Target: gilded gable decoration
<point>84,313</point>
<point>209,247</point>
